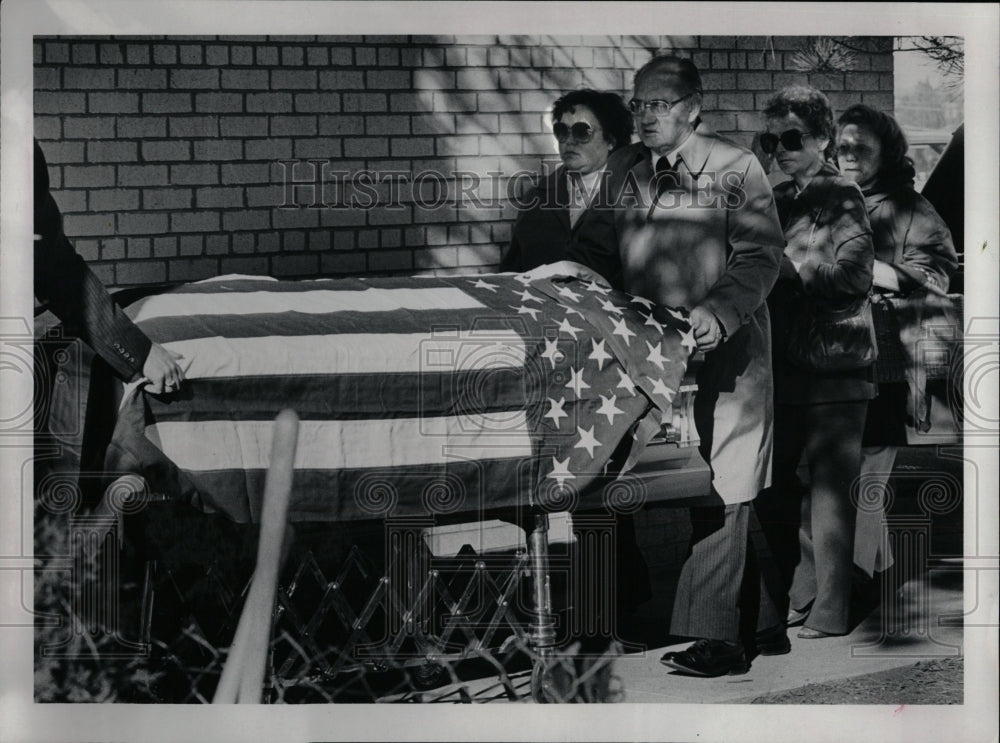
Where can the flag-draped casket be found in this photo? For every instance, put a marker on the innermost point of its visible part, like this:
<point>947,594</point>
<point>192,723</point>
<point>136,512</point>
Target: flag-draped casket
<point>416,395</point>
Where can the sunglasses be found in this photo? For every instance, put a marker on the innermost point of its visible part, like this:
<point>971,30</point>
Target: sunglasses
<point>791,140</point>
<point>580,132</point>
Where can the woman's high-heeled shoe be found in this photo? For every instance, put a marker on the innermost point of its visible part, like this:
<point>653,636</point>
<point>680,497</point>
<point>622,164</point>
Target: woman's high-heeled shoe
<point>808,633</point>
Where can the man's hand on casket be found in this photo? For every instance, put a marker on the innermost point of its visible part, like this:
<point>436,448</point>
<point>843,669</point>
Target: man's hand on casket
<point>566,268</point>
<point>708,331</point>
<point>161,370</point>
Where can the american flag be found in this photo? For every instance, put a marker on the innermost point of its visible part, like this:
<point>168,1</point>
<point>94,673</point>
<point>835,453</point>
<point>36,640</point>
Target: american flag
<point>417,396</point>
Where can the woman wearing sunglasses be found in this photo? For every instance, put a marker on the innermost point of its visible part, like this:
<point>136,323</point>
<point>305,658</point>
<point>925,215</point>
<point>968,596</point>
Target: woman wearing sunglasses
<point>827,267</point>
<point>914,254</point>
<point>588,126</point>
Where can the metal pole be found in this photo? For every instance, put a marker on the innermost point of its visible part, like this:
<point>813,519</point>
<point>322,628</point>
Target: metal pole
<point>543,634</point>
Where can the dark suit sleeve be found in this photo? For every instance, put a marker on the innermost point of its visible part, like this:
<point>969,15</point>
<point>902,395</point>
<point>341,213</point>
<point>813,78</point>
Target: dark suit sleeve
<point>74,293</point>
<point>512,260</point>
<point>756,244</point>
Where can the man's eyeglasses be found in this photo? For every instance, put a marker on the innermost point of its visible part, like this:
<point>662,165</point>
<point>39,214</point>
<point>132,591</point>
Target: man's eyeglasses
<point>791,140</point>
<point>658,107</point>
<point>581,132</point>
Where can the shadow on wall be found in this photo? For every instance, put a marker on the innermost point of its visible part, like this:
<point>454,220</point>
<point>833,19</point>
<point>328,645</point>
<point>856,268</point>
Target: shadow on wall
<point>180,158</point>
<point>477,138</point>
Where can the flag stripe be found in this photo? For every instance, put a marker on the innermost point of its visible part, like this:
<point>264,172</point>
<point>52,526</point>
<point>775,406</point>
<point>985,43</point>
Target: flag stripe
<point>357,353</point>
<point>347,397</point>
<point>478,324</point>
<point>308,301</point>
<point>242,445</point>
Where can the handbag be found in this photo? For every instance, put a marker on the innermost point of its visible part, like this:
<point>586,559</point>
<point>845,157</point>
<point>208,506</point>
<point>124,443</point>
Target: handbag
<point>893,359</point>
<point>826,339</point>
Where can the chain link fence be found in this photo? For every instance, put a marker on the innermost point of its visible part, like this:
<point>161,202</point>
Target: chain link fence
<point>368,620</point>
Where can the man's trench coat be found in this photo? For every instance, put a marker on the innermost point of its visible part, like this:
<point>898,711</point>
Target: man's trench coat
<point>713,241</point>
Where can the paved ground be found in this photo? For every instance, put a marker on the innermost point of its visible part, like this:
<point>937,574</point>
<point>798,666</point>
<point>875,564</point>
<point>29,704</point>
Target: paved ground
<point>918,623</point>
<point>921,625</point>
<point>894,656</point>
<point>927,682</point>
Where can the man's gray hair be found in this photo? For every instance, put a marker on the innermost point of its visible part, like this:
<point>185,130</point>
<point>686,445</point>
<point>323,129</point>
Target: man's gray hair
<point>687,75</point>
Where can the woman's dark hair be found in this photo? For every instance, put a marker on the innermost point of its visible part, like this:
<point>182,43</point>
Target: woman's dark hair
<point>810,105</point>
<point>896,168</point>
<point>614,118</point>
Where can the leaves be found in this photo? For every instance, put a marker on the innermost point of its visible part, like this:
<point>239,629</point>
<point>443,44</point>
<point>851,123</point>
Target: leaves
<point>823,54</point>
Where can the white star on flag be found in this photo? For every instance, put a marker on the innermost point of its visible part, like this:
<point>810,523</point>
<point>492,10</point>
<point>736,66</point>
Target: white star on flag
<point>687,339</point>
<point>560,471</point>
<point>622,329</point>
<point>576,382</point>
<point>608,306</point>
<point>661,389</point>
<point>643,301</point>
<point>593,286</point>
<point>565,327</point>
<point>552,352</point>
<point>676,314</point>
<point>608,408</point>
<point>599,354</point>
<point>625,381</point>
<point>568,293</point>
<point>484,285</point>
<point>650,320</point>
<point>587,440</point>
<point>572,311</point>
<point>522,310</point>
<point>656,355</point>
<point>527,296</point>
<point>556,411</point>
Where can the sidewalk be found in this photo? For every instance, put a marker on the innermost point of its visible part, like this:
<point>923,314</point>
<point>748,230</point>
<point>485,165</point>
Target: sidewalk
<point>921,621</point>
<point>924,622</point>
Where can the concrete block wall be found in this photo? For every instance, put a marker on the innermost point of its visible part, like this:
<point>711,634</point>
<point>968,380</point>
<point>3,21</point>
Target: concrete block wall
<point>173,158</point>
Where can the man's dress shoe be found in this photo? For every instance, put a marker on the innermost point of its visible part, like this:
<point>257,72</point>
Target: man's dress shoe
<point>709,658</point>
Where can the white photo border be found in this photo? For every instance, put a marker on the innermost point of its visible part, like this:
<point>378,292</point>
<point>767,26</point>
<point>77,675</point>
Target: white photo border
<point>22,719</point>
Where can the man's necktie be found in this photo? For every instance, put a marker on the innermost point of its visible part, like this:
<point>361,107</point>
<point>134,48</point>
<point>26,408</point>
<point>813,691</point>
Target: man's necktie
<point>667,177</point>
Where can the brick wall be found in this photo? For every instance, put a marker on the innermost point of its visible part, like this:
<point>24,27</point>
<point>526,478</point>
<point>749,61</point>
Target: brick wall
<point>165,152</point>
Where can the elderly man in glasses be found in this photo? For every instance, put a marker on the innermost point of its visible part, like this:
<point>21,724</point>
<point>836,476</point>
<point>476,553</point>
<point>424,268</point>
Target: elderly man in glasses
<point>692,223</point>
